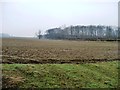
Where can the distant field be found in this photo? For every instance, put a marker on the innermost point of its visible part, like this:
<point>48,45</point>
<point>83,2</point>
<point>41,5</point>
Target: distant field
<point>92,75</point>
<point>57,51</point>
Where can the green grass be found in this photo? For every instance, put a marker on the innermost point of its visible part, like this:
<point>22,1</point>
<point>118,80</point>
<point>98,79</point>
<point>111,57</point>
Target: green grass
<point>92,75</point>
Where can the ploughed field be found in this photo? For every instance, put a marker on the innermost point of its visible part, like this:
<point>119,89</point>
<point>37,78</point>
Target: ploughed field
<point>19,50</point>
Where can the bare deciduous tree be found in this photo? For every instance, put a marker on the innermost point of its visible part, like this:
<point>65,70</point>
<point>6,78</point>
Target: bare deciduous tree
<point>38,34</point>
<point>90,32</point>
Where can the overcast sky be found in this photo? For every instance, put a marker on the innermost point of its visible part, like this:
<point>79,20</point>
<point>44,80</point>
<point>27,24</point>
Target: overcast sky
<point>25,17</point>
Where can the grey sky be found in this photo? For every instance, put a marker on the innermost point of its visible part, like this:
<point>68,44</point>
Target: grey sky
<point>25,18</point>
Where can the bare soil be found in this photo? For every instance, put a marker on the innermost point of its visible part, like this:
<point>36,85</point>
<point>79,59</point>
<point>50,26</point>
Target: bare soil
<point>57,51</point>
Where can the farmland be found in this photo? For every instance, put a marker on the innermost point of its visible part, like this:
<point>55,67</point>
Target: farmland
<point>53,51</point>
<point>33,63</point>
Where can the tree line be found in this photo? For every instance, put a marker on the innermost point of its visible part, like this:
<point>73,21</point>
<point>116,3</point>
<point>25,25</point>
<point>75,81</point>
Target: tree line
<point>90,32</point>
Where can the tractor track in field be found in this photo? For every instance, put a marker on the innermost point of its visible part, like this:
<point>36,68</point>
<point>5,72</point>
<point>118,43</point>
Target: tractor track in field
<point>19,60</point>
